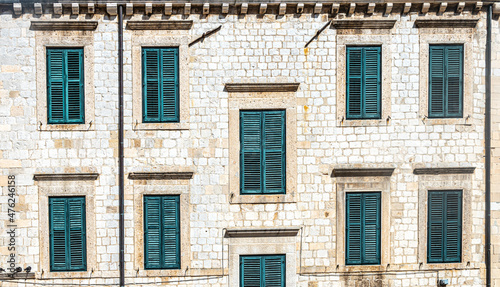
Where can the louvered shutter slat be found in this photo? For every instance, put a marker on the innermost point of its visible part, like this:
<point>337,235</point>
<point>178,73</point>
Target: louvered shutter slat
<point>75,80</point>
<point>354,82</point>
<point>171,244</point>
<point>372,83</point>
<point>55,85</point>
<point>250,272</point>
<point>274,151</point>
<point>251,145</point>
<point>170,86</point>
<point>353,226</point>
<point>76,208</point>
<point>435,231</point>
<point>453,226</point>
<point>152,232</point>
<point>371,238</point>
<point>58,233</point>
<point>274,270</point>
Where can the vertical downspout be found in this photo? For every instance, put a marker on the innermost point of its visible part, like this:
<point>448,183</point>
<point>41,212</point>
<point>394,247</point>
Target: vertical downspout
<point>487,144</point>
<point>120,148</point>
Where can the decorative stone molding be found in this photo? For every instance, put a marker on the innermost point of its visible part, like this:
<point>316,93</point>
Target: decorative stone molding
<point>357,172</point>
<point>160,25</point>
<point>75,8</point>
<point>446,23</point>
<point>91,8</point>
<point>168,9</point>
<point>444,170</point>
<point>58,8</point>
<point>268,232</point>
<point>161,175</point>
<point>112,9</point>
<point>244,8</point>
<point>261,87</point>
<point>38,8</point>
<point>262,8</point>
<point>406,8</point>
<point>63,25</point>
<point>388,8</point>
<point>18,8</point>
<point>425,7</point>
<point>129,9</point>
<point>225,8</point>
<point>148,8</point>
<point>65,176</point>
<point>19,275</point>
<point>363,24</point>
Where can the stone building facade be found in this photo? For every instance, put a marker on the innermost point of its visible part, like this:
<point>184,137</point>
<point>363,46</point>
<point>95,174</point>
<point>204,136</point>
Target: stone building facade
<point>258,58</point>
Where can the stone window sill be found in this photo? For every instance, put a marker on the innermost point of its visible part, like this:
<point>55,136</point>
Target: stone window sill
<point>160,126</point>
<point>261,198</point>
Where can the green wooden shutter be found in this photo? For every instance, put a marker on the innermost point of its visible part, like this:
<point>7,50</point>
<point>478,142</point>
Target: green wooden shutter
<point>445,81</point>
<point>274,271</point>
<point>67,234</point>
<point>160,84</point>
<point>444,226</point>
<point>363,83</point>
<point>262,271</point>
<point>363,228</point>
<point>262,151</point>
<point>274,151</point>
<point>161,232</point>
<point>65,83</point>
<point>250,271</point>
<point>353,228</point>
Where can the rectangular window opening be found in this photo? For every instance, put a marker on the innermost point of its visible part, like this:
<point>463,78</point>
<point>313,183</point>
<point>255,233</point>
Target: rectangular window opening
<point>364,78</point>
<point>444,226</point>
<point>160,82</point>
<point>65,86</point>
<point>262,152</point>
<point>162,232</point>
<point>363,228</point>
<point>262,270</point>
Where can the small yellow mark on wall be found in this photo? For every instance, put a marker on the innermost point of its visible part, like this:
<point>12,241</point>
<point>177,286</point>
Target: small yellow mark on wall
<point>306,51</point>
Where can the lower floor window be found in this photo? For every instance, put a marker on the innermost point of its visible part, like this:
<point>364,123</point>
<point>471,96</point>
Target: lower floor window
<point>161,232</point>
<point>67,234</point>
<point>363,228</point>
<point>262,271</point>
<point>444,230</point>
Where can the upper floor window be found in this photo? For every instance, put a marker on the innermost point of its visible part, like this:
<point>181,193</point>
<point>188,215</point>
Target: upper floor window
<point>65,82</point>
<point>68,250</point>
<point>362,228</point>
<point>262,152</point>
<point>160,83</point>
<point>262,271</point>
<point>162,232</point>
<point>446,81</point>
<point>364,82</point>
<point>444,226</point>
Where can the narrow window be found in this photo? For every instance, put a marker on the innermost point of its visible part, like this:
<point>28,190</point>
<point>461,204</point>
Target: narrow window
<point>65,83</point>
<point>446,81</point>
<point>160,82</point>
<point>262,271</point>
<point>262,152</point>
<point>363,83</point>
<point>67,234</point>
<point>363,228</point>
<point>161,232</point>
<point>444,230</point>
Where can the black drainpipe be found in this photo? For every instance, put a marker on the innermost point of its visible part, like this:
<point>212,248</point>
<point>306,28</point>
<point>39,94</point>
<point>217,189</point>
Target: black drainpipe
<point>487,144</point>
<point>120,147</point>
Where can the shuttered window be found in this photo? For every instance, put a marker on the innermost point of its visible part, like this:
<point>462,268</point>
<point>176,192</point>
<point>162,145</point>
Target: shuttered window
<point>363,228</point>
<point>363,83</point>
<point>262,271</point>
<point>67,234</point>
<point>262,152</point>
<point>65,86</point>
<point>446,81</point>
<point>161,232</point>
<point>160,82</point>
<point>444,226</point>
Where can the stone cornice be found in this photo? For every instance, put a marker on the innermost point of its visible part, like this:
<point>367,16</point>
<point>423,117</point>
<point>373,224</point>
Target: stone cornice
<point>65,176</point>
<point>357,172</point>
<point>446,23</point>
<point>160,25</point>
<point>444,170</point>
<point>363,24</point>
<point>185,175</point>
<point>267,232</point>
<point>261,87</point>
<point>63,25</point>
